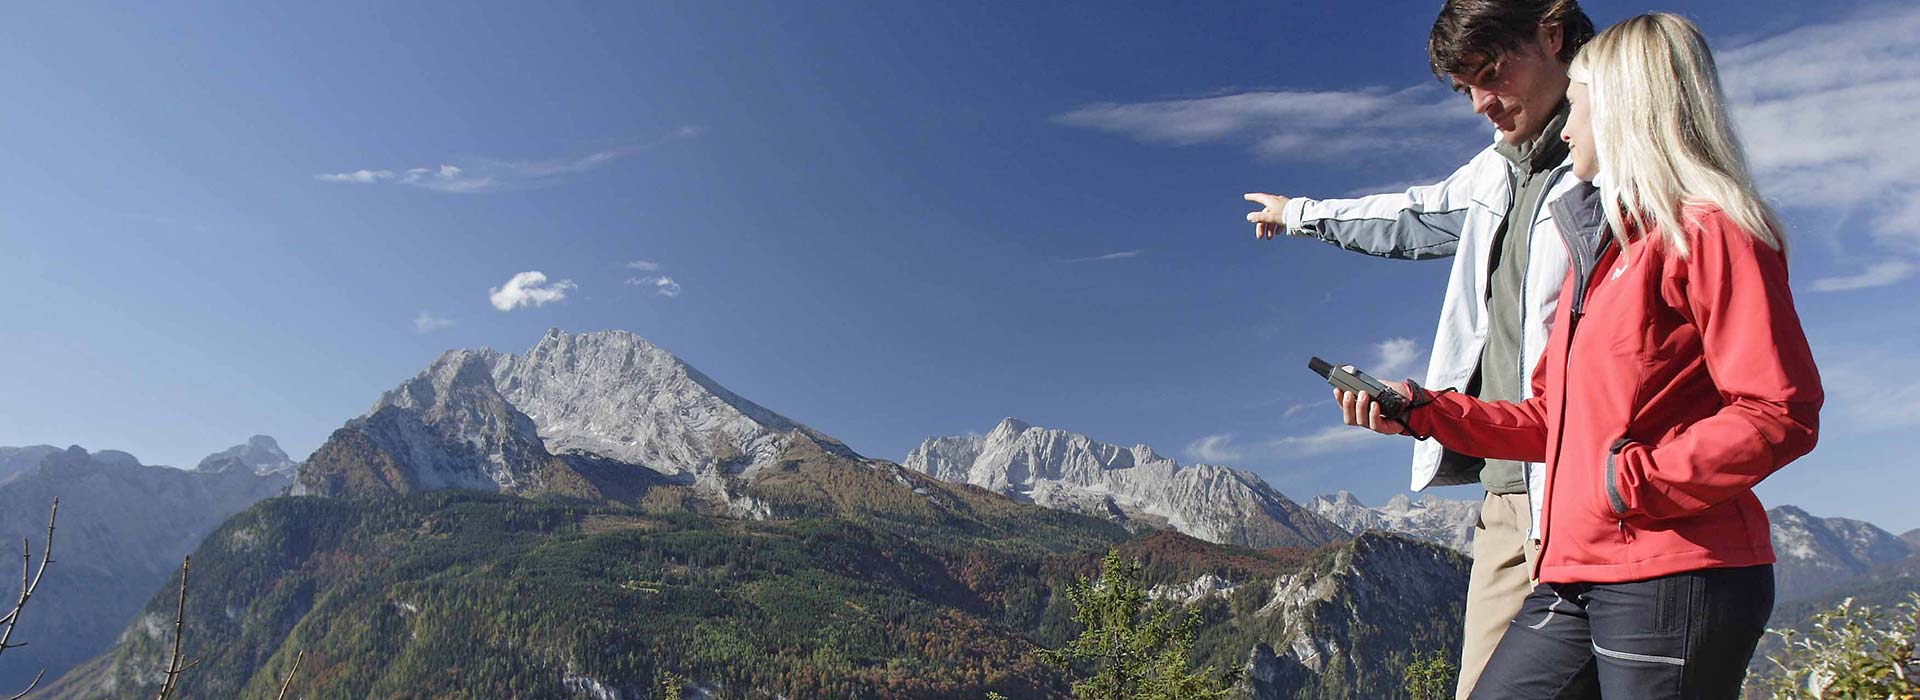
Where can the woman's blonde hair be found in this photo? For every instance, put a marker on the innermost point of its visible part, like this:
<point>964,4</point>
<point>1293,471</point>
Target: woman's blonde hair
<point>1661,131</point>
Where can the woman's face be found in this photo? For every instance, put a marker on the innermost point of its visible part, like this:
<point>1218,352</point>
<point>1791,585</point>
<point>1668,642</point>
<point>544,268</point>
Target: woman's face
<point>1578,133</point>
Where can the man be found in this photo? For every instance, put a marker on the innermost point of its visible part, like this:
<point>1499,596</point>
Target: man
<point>1510,57</point>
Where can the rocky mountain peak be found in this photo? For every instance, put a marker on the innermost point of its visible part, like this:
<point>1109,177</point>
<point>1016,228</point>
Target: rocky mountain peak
<point>1438,520</point>
<point>1132,485</point>
<point>1327,640</point>
<point>260,454</point>
<point>1816,554</point>
<point>444,378</point>
<point>576,412</point>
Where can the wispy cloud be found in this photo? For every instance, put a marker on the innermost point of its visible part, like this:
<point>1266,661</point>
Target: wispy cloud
<point>643,265</point>
<point>1869,388</point>
<point>528,289</point>
<point>1395,358</point>
<point>1827,113</point>
<point>1331,439</point>
<point>1226,449</point>
<point>1214,449</point>
<point>428,323</point>
<point>661,285</point>
<point>1879,274</point>
<point>1297,125</point>
<point>1122,255</point>
<point>490,174</point>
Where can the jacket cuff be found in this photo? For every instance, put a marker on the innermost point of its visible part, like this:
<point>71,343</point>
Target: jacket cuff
<point>1419,397</point>
<point>1293,215</point>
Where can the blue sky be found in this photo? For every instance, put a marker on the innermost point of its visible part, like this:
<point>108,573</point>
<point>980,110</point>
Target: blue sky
<point>888,221</point>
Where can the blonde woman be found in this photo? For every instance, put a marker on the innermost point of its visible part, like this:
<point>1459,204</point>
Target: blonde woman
<point>1678,377</point>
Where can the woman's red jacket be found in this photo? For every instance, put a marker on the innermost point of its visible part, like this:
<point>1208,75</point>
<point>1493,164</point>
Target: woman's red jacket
<point>1671,386</point>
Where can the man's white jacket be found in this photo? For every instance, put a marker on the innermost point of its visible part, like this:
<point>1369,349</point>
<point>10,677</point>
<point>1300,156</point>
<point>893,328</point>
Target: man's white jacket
<point>1458,216</point>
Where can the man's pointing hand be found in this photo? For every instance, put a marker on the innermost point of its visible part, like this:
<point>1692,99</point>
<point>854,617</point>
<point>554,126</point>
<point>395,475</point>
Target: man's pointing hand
<point>1267,223</point>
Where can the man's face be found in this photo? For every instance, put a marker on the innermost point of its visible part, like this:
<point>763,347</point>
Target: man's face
<point>1520,89</point>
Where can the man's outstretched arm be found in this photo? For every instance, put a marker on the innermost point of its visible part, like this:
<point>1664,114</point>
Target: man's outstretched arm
<point>1422,222</point>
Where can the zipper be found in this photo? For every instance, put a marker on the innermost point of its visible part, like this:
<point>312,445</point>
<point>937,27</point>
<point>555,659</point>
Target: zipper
<point>1539,205</point>
<point>1573,321</point>
<point>1553,178</point>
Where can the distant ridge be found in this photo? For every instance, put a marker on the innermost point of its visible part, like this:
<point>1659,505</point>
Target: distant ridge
<point>1134,486</point>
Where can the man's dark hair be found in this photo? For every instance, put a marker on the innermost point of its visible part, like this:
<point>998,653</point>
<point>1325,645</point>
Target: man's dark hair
<point>1470,32</point>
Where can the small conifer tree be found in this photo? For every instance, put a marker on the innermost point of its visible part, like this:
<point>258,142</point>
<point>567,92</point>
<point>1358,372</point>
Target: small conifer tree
<point>1130,648</point>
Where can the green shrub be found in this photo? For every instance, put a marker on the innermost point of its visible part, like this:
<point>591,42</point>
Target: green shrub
<point>1431,676</point>
<point>1851,651</point>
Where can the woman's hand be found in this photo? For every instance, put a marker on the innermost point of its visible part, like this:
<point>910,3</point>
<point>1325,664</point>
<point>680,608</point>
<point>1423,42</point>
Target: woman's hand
<point>1267,223</point>
<point>1359,409</point>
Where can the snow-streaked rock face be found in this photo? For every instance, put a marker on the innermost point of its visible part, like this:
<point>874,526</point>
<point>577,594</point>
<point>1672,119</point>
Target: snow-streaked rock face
<point>1133,485</point>
<point>260,454</point>
<point>1344,625</point>
<point>1815,554</point>
<point>1445,522</point>
<point>1192,592</point>
<point>453,429</point>
<point>611,401</point>
<point>615,395</point>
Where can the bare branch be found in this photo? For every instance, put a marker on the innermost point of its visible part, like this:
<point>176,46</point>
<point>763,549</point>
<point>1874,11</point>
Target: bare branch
<point>179,623</point>
<point>289,682</point>
<point>30,686</point>
<point>28,585</point>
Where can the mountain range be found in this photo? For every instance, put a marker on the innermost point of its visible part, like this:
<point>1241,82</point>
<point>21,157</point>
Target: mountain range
<point>1431,518</point>
<point>122,529</point>
<point>1814,555</point>
<point>1133,486</point>
<point>593,516</point>
<point>580,519</point>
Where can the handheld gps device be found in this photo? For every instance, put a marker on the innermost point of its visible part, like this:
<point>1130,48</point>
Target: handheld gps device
<point>1347,377</point>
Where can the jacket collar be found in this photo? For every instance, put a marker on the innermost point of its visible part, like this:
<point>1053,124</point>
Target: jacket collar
<point>1544,150</point>
<point>1583,226</point>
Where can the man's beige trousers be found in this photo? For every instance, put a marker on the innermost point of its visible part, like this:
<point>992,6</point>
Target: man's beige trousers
<point>1499,582</point>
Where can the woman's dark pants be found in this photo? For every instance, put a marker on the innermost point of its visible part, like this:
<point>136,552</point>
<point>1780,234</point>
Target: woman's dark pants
<point>1689,635</point>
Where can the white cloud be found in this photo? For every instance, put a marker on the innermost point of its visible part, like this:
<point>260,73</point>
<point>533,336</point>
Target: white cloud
<point>1869,388</point>
<point>428,323</point>
<point>1827,113</point>
<point>1330,439</point>
<point>1122,255</point>
<point>528,289</point>
<point>1296,408</point>
<point>1879,274</point>
<point>1298,125</point>
<point>1226,449</point>
<point>661,284</point>
<point>488,175</point>
<point>1395,359</point>
<point>643,265</point>
<point>1214,449</point>
<point>363,177</point>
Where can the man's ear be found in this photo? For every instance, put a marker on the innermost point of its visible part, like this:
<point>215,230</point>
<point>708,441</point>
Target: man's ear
<point>1551,38</point>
